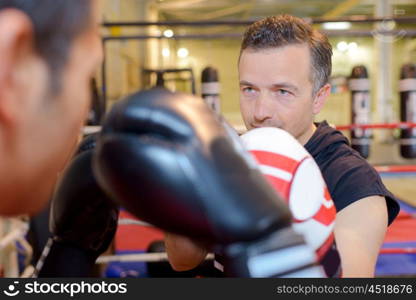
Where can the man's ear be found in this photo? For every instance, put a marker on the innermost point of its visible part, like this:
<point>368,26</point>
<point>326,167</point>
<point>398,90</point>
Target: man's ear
<point>320,98</point>
<point>16,43</point>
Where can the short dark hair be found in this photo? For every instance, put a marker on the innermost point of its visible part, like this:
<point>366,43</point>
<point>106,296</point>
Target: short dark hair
<point>56,24</point>
<point>279,31</point>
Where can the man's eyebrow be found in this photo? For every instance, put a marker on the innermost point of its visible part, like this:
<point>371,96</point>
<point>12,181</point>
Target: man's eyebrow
<point>275,85</point>
<point>285,85</point>
<point>243,82</point>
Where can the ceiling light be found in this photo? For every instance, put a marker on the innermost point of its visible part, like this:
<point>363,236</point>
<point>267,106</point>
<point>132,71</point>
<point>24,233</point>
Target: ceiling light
<point>342,46</point>
<point>165,52</point>
<point>183,52</point>
<point>168,33</point>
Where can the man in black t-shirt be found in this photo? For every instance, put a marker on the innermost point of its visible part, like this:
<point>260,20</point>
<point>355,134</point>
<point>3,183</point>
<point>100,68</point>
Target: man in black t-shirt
<point>284,67</point>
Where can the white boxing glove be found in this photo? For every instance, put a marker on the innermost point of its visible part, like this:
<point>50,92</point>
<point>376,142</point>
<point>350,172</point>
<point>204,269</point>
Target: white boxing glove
<point>297,178</point>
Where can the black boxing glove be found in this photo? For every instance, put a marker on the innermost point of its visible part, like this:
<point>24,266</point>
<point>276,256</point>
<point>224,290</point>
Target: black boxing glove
<point>168,160</point>
<point>83,220</point>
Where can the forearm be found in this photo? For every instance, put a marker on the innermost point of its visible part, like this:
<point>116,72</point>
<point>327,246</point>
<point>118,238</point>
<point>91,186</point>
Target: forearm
<point>183,253</point>
<point>358,261</point>
<point>359,233</point>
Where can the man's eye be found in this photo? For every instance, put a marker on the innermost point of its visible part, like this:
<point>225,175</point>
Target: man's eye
<point>283,92</point>
<point>248,90</point>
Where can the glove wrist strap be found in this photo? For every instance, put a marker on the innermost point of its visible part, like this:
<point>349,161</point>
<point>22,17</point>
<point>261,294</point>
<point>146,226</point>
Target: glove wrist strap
<point>281,254</point>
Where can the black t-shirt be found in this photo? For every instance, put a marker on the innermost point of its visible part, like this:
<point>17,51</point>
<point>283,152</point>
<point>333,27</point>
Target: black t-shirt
<point>349,177</point>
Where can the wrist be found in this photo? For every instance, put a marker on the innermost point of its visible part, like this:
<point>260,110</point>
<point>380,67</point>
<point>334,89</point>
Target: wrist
<point>280,254</point>
<point>63,259</point>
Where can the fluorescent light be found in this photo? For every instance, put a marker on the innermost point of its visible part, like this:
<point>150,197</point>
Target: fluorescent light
<point>336,25</point>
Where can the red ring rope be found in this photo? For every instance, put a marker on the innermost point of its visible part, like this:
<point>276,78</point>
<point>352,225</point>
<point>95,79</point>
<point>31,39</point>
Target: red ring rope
<point>400,125</point>
<point>398,251</point>
<point>396,169</point>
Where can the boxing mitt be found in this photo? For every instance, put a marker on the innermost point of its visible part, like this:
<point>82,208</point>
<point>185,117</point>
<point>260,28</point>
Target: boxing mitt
<point>297,178</point>
<point>168,160</point>
<point>83,220</point>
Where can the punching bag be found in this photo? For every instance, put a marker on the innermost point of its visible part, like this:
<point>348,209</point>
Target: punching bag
<point>359,85</point>
<point>407,89</point>
<point>210,88</point>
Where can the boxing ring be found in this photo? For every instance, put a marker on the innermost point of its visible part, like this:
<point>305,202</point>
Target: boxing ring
<point>397,256</point>
<point>15,251</point>
<point>131,257</point>
<point>398,253</point>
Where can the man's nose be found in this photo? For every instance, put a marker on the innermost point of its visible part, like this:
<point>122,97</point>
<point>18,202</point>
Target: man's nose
<point>262,109</point>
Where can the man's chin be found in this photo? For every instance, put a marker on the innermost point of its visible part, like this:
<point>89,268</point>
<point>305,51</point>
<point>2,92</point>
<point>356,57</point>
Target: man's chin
<point>17,207</point>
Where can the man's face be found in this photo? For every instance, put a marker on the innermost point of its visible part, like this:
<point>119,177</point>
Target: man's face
<point>276,90</point>
<point>48,125</point>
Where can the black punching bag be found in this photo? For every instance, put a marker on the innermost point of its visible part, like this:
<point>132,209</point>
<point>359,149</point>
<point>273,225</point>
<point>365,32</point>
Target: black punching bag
<point>359,85</point>
<point>210,88</point>
<point>407,88</point>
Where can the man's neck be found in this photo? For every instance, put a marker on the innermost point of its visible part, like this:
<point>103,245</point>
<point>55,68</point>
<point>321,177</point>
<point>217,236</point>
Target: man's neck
<point>304,138</point>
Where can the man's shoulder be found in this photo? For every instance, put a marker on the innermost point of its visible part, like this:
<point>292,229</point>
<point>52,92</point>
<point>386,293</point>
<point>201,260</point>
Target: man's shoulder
<point>345,162</point>
<point>348,158</point>
<point>344,169</point>
<point>339,155</point>
<point>339,163</point>
<point>327,142</point>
